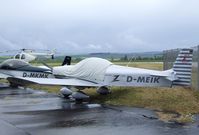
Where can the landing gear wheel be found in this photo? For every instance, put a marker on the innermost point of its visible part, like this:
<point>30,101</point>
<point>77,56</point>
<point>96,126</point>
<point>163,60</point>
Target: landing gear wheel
<point>13,85</point>
<point>80,96</point>
<point>103,90</point>
<point>65,92</point>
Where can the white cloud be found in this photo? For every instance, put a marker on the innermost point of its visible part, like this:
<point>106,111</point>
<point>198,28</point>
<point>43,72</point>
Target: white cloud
<point>36,44</point>
<point>72,44</point>
<point>7,44</point>
<point>81,26</point>
<point>94,47</point>
<point>131,39</point>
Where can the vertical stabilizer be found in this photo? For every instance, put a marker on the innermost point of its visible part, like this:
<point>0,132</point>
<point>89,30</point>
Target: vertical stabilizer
<point>67,61</point>
<point>183,67</point>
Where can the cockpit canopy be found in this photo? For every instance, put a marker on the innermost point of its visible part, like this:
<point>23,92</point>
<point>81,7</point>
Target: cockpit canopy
<point>20,56</point>
<point>14,64</point>
<point>92,69</point>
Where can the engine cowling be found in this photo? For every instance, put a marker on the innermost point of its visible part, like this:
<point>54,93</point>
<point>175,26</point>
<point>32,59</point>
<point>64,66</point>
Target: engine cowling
<point>103,90</point>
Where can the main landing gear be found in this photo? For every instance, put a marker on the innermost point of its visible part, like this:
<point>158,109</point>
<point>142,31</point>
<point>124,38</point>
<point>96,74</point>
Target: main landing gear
<point>80,95</point>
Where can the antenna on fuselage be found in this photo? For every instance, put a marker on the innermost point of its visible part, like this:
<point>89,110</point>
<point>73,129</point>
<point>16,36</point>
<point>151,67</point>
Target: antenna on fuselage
<point>131,59</point>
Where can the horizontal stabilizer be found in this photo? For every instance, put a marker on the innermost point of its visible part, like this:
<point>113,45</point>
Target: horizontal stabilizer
<point>168,74</point>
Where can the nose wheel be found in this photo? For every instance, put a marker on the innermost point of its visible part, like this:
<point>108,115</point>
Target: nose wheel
<point>13,85</point>
<point>103,90</point>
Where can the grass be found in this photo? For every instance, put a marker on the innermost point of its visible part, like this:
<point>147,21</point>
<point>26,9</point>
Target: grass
<point>147,65</point>
<point>177,100</point>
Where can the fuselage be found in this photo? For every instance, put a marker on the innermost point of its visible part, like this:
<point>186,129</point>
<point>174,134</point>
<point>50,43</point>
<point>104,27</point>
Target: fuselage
<point>128,76</point>
<point>107,74</point>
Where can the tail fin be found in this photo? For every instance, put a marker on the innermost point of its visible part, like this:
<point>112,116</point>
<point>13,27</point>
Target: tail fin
<point>67,61</point>
<point>183,67</point>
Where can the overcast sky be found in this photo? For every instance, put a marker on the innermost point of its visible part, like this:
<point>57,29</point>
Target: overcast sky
<point>84,26</point>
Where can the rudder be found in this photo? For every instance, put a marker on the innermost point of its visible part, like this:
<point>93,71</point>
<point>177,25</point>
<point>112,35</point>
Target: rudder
<point>183,67</point>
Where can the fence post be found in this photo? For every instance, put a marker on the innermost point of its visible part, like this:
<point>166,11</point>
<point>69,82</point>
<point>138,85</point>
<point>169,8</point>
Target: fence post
<point>164,55</point>
<point>197,67</point>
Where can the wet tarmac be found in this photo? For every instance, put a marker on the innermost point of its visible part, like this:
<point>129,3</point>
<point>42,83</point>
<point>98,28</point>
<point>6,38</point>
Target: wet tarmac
<point>34,112</point>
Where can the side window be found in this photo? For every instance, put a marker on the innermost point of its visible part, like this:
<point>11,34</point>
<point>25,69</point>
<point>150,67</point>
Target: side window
<point>23,56</point>
<point>17,56</point>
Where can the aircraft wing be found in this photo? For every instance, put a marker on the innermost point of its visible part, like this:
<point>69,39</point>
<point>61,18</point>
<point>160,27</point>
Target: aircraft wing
<point>54,81</point>
<point>3,76</point>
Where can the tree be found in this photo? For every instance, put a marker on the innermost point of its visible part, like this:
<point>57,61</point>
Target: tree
<point>125,58</point>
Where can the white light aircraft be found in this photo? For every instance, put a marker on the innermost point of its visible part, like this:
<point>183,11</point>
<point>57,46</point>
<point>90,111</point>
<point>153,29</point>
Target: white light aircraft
<point>100,73</point>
